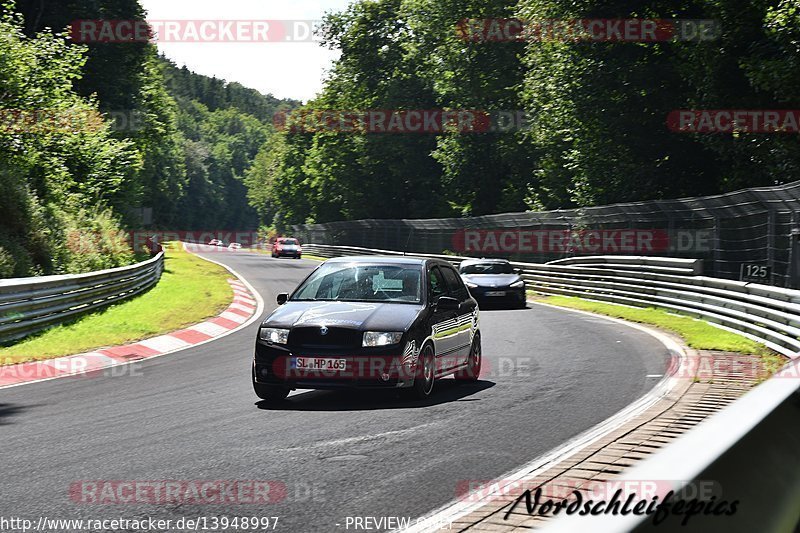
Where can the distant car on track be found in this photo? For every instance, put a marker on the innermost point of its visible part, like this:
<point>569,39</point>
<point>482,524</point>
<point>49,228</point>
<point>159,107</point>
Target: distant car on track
<point>214,242</point>
<point>370,322</point>
<point>234,246</point>
<point>287,247</point>
<point>493,281</point>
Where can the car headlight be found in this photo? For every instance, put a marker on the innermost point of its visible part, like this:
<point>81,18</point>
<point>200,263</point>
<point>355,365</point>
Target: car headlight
<point>471,285</point>
<point>381,338</point>
<point>274,335</point>
<point>517,284</point>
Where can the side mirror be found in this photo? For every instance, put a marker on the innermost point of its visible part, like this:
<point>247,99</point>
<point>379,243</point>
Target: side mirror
<point>283,298</point>
<point>446,303</point>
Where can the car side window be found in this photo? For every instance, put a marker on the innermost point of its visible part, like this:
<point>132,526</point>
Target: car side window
<point>436,285</point>
<point>457,288</point>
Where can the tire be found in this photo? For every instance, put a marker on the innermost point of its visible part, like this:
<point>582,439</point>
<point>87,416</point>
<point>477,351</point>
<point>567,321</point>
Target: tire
<point>270,393</point>
<point>472,373</point>
<point>424,379</point>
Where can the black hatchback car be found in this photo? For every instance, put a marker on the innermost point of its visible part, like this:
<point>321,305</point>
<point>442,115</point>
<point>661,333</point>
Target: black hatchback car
<point>370,322</point>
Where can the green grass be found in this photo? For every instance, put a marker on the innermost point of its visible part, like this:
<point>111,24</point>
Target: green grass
<point>190,290</point>
<point>696,333</point>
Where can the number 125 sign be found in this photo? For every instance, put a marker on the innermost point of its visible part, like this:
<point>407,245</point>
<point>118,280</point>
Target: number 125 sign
<point>755,272</point>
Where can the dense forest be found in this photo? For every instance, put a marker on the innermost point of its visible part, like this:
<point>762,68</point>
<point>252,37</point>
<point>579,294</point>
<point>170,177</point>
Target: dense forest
<point>152,145</point>
<point>598,111</point>
<point>170,150</point>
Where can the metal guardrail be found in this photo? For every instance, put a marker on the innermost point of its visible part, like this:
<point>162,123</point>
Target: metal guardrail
<point>28,305</point>
<point>747,452</point>
<point>750,448</point>
<point>770,315</point>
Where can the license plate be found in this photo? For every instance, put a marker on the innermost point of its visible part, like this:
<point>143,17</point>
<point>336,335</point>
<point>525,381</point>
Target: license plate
<point>495,293</point>
<point>319,363</point>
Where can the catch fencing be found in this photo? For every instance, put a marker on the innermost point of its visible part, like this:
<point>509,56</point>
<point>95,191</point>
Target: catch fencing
<point>755,232</point>
<point>770,315</point>
<point>28,305</point>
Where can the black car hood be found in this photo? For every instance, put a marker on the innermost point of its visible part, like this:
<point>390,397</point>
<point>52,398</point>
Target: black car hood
<point>366,316</point>
<point>491,280</point>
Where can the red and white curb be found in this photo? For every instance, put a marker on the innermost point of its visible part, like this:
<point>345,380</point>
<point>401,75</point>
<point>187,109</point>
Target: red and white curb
<point>245,308</point>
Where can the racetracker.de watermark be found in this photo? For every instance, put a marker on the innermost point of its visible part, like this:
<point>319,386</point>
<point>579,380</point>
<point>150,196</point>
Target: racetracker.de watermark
<point>475,490</point>
<point>195,31</point>
<point>178,492</point>
<point>728,366</point>
<point>734,121</point>
<point>589,241</point>
<point>385,368</point>
<point>437,121</point>
<point>636,30</point>
<point>77,366</point>
<point>80,241</point>
<point>67,121</point>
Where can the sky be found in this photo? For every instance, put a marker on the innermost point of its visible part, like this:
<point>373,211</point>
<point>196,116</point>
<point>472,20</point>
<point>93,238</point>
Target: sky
<point>284,69</point>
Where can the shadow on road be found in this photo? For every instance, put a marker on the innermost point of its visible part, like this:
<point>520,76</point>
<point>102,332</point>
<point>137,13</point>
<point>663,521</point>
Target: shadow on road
<point>8,410</point>
<point>447,390</point>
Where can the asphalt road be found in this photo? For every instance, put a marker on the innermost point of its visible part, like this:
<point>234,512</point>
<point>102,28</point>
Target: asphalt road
<point>193,416</point>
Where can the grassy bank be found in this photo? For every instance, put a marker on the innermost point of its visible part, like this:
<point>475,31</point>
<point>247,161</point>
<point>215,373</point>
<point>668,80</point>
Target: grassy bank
<point>190,290</point>
<point>696,333</point>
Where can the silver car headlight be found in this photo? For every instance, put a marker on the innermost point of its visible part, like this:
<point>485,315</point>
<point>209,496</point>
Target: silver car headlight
<point>274,335</point>
<point>517,284</point>
<point>381,338</point>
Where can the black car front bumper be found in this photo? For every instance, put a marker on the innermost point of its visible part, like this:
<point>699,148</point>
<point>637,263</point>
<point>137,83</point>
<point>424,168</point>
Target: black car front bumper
<point>366,368</point>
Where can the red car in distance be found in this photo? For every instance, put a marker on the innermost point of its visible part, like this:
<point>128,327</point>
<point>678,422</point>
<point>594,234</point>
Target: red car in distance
<point>287,247</point>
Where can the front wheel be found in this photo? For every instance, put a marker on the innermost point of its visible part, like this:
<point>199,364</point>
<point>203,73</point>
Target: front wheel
<point>423,381</point>
<point>270,393</point>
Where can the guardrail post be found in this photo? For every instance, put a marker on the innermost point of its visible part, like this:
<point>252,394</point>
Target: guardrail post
<point>771,245</point>
<point>717,250</point>
<point>794,257</point>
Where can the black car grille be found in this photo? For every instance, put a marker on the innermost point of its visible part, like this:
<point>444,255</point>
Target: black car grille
<point>301,337</point>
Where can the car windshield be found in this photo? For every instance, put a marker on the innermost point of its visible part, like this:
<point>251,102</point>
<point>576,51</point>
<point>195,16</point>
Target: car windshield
<point>290,242</point>
<point>362,283</point>
<point>487,268</point>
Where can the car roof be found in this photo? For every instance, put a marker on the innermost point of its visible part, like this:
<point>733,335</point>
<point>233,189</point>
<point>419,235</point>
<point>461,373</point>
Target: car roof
<point>387,260</point>
<point>478,261</point>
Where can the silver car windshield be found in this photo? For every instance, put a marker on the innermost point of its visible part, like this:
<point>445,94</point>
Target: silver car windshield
<point>362,283</point>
